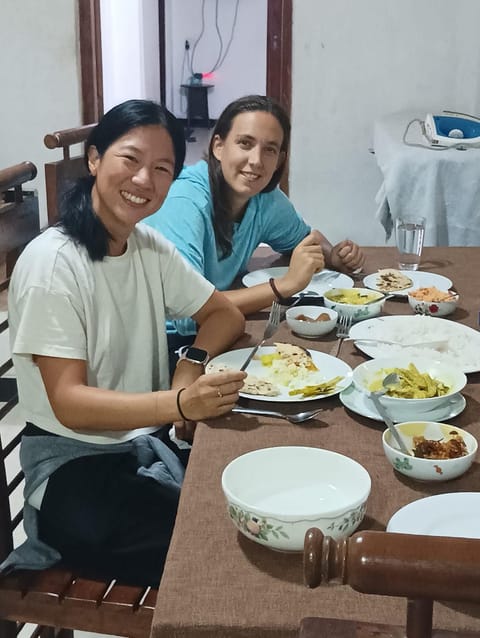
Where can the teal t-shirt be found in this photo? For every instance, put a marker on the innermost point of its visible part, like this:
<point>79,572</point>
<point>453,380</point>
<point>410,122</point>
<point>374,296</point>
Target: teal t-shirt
<point>186,219</point>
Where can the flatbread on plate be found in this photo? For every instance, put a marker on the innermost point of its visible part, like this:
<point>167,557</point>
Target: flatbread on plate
<point>390,280</point>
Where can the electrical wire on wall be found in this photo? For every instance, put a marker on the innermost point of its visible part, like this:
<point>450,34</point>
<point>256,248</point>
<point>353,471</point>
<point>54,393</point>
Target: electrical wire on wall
<point>222,54</point>
<point>186,65</point>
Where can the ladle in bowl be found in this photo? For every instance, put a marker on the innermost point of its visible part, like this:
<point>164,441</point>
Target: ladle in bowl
<point>390,379</point>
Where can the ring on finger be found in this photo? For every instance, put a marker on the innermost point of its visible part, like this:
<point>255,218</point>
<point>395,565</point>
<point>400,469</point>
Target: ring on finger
<point>219,394</point>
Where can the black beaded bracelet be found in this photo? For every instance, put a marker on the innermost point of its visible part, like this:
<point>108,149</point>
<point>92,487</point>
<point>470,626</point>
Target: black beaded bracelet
<point>180,411</point>
<point>284,301</point>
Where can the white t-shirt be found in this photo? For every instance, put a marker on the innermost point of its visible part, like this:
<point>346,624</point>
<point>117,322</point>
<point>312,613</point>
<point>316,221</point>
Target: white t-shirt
<point>109,313</point>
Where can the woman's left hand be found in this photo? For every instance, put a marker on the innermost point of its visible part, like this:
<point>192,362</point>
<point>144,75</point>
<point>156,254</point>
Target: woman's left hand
<point>347,256</point>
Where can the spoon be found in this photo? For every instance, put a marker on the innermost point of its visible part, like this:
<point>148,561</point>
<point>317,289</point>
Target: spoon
<point>390,379</point>
<point>300,417</point>
<point>384,298</point>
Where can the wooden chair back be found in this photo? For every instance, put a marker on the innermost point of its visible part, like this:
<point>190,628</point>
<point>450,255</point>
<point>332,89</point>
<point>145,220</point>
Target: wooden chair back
<point>420,568</point>
<point>51,598</point>
<point>59,174</point>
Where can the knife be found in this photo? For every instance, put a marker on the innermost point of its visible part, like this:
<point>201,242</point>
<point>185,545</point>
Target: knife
<point>251,355</point>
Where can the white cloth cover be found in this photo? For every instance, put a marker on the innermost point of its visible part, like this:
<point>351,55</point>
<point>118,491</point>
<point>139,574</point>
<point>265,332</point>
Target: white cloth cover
<point>442,186</point>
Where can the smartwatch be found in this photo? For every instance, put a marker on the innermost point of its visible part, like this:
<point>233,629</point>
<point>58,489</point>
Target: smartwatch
<point>194,355</point>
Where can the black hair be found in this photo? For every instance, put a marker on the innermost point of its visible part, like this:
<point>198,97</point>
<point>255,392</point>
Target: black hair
<point>222,222</point>
<point>77,217</point>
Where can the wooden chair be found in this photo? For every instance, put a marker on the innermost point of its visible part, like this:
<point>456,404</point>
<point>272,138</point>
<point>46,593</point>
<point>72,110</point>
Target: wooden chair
<point>59,174</point>
<point>56,597</point>
<point>420,568</point>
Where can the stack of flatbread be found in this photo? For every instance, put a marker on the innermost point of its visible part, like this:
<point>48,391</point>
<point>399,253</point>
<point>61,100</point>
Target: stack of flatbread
<point>296,355</point>
<point>390,280</point>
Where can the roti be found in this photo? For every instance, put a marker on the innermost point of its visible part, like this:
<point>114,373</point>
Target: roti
<point>256,385</point>
<point>390,280</point>
<point>251,385</point>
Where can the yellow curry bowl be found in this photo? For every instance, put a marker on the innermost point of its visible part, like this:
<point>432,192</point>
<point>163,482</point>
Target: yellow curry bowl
<point>358,303</point>
<point>430,469</point>
<point>441,383</point>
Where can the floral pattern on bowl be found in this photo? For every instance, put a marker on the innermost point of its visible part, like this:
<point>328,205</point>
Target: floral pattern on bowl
<point>351,520</point>
<point>252,525</point>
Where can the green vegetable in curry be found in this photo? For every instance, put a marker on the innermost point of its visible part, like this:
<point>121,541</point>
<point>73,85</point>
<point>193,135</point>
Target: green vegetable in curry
<point>412,384</point>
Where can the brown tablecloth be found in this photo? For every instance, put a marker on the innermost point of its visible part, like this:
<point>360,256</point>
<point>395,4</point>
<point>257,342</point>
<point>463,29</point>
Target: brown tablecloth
<point>217,582</point>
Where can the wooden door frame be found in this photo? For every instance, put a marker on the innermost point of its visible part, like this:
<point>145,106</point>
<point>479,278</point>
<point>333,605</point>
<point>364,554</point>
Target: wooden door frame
<point>279,57</point>
<point>89,34</point>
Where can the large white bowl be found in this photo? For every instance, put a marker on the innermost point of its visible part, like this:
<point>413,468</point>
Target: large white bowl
<point>365,373</point>
<point>311,328</point>
<point>428,469</point>
<point>274,495</point>
<point>356,311</point>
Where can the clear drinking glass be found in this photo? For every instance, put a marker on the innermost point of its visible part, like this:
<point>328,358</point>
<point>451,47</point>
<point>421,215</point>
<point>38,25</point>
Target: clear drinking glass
<point>409,235</point>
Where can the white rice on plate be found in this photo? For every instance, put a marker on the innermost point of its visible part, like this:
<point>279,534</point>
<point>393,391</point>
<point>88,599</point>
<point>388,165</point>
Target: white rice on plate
<point>462,349</point>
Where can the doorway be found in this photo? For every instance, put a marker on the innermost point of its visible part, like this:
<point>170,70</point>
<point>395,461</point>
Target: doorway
<point>279,54</point>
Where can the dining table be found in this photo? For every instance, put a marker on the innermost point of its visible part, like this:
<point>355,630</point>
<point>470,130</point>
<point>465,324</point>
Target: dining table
<point>219,583</point>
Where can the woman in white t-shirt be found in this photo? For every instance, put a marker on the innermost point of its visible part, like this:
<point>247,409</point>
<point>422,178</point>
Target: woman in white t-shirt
<point>88,303</point>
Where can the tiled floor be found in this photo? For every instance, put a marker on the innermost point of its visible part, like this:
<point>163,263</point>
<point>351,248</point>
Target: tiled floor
<point>197,149</point>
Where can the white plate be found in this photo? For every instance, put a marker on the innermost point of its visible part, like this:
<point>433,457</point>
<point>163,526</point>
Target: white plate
<point>462,350</point>
<point>455,514</point>
<point>360,403</point>
<point>327,365</point>
<point>316,284</point>
<point>419,278</point>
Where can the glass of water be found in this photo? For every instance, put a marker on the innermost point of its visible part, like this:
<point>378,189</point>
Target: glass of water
<point>409,234</point>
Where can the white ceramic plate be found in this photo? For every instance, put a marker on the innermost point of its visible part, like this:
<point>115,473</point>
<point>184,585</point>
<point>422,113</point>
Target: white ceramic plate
<point>360,403</point>
<point>327,365</point>
<point>419,278</point>
<point>317,283</point>
<point>463,343</point>
<point>455,514</point>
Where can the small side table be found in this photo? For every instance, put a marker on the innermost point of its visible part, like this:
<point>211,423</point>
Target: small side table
<point>197,107</point>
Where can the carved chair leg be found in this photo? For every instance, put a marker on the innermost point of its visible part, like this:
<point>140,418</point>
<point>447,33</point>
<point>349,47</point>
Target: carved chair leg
<point>419,618</point>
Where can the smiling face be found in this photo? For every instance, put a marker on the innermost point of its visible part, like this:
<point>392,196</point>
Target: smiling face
<point>132,178</point>
<point>249,155</point>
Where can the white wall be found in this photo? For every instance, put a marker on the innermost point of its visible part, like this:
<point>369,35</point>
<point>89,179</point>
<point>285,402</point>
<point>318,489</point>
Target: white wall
<point>244,68</point>
<point>130,50</point>
<point>354,62</point>
<point>39,81</point>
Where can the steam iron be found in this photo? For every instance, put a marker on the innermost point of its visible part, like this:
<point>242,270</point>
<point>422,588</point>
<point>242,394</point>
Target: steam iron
<point>451,129</point>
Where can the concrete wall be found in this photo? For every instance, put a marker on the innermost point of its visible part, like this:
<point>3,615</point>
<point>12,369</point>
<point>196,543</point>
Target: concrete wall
<point>130,50</point>
<point>354,62</point>
<point>39,81</point>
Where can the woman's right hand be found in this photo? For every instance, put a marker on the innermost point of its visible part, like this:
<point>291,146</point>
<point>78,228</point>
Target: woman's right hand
<point>306,260</point>
<point>211,395</point>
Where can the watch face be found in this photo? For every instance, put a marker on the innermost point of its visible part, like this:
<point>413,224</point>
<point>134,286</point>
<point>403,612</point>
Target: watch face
<point>197,355</point>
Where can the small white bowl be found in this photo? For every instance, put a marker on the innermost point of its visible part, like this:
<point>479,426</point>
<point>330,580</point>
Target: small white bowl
<point>311,328</point>
<point>370,371</point>
<point>428,469</point>
<point>360,311</point>
<point>274,495</point>
<point>433,308</point>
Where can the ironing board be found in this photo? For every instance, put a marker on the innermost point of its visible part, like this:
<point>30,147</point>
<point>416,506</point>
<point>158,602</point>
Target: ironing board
<point>442,186</point>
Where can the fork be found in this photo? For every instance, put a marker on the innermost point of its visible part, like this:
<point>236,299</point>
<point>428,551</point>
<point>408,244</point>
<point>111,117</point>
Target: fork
<point>343,328</point>
<point>270,329</point>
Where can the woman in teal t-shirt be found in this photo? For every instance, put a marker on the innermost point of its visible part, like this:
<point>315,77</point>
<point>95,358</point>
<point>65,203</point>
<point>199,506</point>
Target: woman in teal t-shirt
<point>218,211</point>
